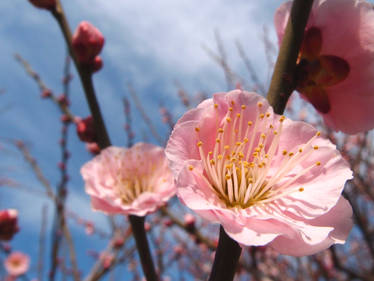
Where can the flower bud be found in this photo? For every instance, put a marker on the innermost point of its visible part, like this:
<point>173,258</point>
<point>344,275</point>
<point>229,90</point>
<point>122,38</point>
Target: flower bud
<point>97,64</point>
<point>85,129</point>
<point>87,42</point>
<point>44,4</point>
<point>93,147</point>
<point>8,224</point>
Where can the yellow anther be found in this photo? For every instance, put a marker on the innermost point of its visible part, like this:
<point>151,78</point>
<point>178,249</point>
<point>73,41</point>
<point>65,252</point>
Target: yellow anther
<point>233,153</point>
<point>300,150</point>
<point>228,166</point>
<point>318,163</point>
<point>230,109</point>
<point>245,140</point>
<point>240,155</point>
<point>290,154</point>
<point>232,102</point>
<point>210,153</point>
<point>268,114</point>
<point>301,189</point>
<point>266,155</point>
<point>218,140</point>
<point>318,133</point>
<point>219,156</point>
<point>243,106</point>
<point>315,147</point>
<point>284,152</point>
<point>238,143</point>
<point>238,115</point>
<point>220,130</point>
<point>262,116</point>
<point>255,154</point>
<point>215,106</point>
<point>275,132</point>
<point>226,147</point>
<point>199,143</point>
<point>259,104</point>
<point>228,177</point>
<point>228,119</point>
<point>212,161</point>
<point>250,123</point>
<point>252,164</point>
<point>237,169</point>
<point>197,129</point>
<point>190,167</point>
<point>282,118</point>
<point>233,159</point>
<point>257,149</point>
<point>263,135</point>
<point>261,145</point>
<point>271,126</point>
<point>250,180</point>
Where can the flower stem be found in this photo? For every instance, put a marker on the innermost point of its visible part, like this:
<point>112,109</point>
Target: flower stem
<point>137,225</point>
<point>85,76</point>
<point>283,80</point>
<point>226,258</point>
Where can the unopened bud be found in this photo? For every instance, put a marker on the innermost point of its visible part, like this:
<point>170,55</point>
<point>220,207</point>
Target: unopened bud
<point>8,224</point>
<point>93,147</point>
<point>87,42</point>
<point>85,129</point>
<point>46,94</point>
<point>97,64</point>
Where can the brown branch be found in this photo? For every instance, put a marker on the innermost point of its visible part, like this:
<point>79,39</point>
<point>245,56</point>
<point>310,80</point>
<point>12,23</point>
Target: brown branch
<point>283,79</point>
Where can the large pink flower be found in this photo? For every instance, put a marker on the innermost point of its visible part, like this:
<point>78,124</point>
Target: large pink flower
<point>266,179</point>
<point>134,181</point>
<point>17,263</point>
<point>336,61</point>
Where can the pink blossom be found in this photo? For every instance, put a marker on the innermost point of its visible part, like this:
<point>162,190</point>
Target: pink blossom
<point>264,178</point>
<point>336,61</point>
<point>17,263</point>
<point>132,181</point>
<point>8,224</point>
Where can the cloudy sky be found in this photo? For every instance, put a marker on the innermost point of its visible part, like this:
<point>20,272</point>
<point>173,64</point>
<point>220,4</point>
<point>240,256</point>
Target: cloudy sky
<point>150,44</point>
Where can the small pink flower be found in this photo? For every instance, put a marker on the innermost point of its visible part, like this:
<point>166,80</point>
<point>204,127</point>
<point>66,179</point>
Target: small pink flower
<point>87,43</point>
<point>8,224</point>
<point>264,178</point>
<point>336,61</point>
<point>132,181</point>
<point>17,263</point>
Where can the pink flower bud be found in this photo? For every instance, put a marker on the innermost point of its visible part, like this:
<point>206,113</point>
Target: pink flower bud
<point>65,118</point>
<point>87,42</point>
<point>46,94</point>
<point>8,224</point>
<point>90,228</point>
<point>44,4</point>
<point>85,129</point>
<point>97,64</point>
<point>63,100</point>
<point>93,147</point>
<point>118,242</point>
<point>189,220</point>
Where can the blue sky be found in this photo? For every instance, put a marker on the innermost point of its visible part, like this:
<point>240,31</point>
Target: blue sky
<point>148,43</point>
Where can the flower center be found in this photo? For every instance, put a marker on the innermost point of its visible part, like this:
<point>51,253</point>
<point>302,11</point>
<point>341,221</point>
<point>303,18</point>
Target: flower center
<point>240,168</point>
<point>130,182</point>
<point>318,72</point>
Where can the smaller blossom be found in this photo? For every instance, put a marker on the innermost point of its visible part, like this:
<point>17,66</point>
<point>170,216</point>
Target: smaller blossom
<point>134,181</point>
<point>87,43</point>
<point>44,4</point>
<point>336,61</point>
<point>8,224</point>
<point>17,264</point>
